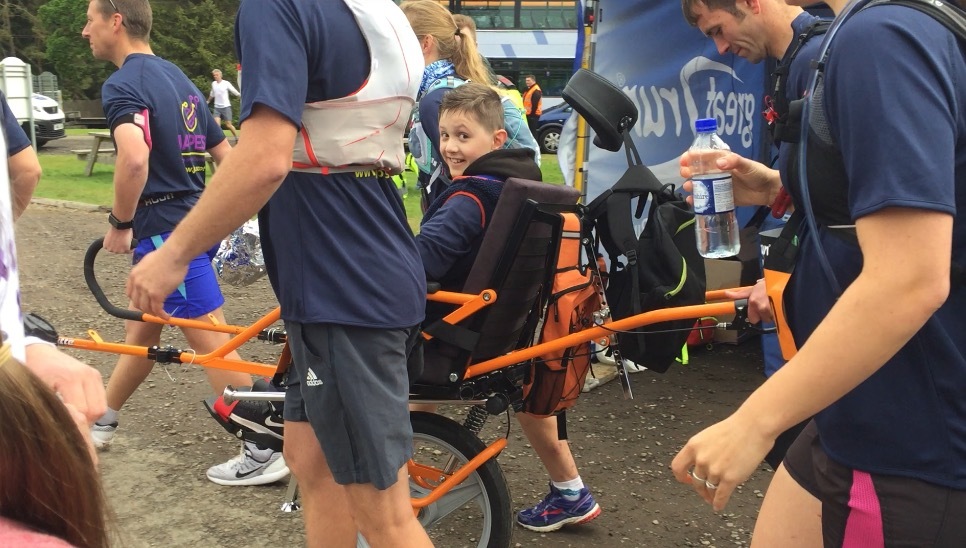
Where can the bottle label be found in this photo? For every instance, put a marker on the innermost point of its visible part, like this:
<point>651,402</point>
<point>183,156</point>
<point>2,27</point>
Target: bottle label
<point>713,194</point>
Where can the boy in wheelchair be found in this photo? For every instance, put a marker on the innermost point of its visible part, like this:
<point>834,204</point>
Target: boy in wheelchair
<point>471,136</point>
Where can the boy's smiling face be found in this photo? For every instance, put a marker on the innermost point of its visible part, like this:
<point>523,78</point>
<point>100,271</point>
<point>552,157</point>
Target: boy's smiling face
<point>463,139</point>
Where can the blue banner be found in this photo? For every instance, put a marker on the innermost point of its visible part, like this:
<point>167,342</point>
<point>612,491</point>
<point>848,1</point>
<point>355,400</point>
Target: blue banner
<point>674,75</point>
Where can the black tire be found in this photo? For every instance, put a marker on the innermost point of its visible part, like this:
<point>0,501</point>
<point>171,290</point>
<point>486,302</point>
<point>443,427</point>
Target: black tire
<point>482,513</point>
<point>549,140</point>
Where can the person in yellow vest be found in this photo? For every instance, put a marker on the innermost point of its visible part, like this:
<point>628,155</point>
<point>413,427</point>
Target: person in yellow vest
<point>506,87</point>
<point>533,102</point>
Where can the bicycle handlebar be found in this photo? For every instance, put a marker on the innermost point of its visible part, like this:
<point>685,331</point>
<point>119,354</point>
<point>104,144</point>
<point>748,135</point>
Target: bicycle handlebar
<point>95,288</point>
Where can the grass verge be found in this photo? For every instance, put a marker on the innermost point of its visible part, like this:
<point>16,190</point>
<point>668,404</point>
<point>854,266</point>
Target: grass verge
<point>64,180</point>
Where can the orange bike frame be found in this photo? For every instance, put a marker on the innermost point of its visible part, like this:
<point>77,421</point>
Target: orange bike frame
<point>215,359</point>
<point>423,475</point>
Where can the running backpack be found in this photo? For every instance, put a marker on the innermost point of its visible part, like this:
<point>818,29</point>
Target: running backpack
<point>575,299</point>
<point>658,267</point>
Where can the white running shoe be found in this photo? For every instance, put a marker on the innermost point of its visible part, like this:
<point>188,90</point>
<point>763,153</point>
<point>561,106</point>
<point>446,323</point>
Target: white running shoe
<point>248,469</point>
<point>601,356</point>
<point>632,367</point>
<point>590,383</point>
<point>607,359</point>
<point>103,434</point>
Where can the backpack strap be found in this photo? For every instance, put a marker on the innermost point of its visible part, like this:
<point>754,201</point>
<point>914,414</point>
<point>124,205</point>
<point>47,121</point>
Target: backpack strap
<point>445,82</point>
<point>784,250</point>
<point>784,125</point>
<point>637,181</point>
<point>951,17</point>
<point>475,199</point>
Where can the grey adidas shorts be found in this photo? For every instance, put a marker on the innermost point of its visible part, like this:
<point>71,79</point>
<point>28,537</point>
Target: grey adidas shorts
<point>222,112</point>
<point>351,385</point>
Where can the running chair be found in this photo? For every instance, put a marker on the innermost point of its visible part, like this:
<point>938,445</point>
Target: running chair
<point>517,259</point>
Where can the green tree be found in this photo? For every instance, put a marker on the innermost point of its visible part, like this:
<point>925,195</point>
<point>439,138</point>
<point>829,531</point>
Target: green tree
<point>198,37</point>
<point>68,53</point>
<point>195,35</point>
<point>21,34</point>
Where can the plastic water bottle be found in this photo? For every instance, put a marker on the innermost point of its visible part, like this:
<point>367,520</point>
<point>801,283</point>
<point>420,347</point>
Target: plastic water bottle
<point>714,201</point>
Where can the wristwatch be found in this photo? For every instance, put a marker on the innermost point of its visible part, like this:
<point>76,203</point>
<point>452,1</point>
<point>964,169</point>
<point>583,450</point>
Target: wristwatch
<point>118,224</point>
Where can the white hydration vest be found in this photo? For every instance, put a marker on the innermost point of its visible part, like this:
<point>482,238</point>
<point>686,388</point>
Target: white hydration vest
<point>364,131</point>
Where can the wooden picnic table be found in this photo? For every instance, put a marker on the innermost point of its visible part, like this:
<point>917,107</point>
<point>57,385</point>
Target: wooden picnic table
<point>92,156</point>
<point>107,154</point>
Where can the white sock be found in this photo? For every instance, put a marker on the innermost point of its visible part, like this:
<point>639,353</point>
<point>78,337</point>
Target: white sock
<point>259,454</point>
<point>108,418</point>
<point>570,490</point>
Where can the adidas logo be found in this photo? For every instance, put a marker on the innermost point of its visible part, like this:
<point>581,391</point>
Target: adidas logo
<point>312,379</point>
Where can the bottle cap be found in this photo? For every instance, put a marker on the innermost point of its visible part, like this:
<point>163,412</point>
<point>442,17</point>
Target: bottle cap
<point>705,124</point>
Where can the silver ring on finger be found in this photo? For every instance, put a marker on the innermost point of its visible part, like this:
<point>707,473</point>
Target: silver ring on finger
<point>710,486</point>
<point>696,478</point>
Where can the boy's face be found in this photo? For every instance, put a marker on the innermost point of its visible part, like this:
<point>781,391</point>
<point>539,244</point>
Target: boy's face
<point>463,139</point>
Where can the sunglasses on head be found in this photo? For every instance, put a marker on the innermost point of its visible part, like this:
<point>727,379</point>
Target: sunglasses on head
<point>117,11</point>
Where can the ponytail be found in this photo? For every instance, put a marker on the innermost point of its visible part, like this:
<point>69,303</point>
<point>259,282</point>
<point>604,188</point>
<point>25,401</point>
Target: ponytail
<point>432,19</point>
<point>469,65</point>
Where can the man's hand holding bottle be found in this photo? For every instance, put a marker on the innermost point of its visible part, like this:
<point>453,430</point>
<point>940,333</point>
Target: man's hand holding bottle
<point>754,182</point>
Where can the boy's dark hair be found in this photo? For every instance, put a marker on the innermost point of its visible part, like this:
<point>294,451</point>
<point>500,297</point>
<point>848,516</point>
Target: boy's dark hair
<point>479,100</point>
<point>730,6</point>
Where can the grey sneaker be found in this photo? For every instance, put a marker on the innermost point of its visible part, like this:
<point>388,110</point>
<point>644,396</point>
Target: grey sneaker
<point>590,382</point>
<point>247,469</point>
<point>103,434</point>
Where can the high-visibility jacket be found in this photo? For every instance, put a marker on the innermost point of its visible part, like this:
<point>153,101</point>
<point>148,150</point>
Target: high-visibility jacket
<point>515,98</point>
<point>528,103</point>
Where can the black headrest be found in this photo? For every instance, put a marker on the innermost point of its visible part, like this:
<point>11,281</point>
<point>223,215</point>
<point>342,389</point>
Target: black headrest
<point>603,105</point>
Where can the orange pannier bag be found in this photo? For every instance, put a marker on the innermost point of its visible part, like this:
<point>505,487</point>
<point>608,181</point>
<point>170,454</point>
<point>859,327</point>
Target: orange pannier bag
<point>557,377</point>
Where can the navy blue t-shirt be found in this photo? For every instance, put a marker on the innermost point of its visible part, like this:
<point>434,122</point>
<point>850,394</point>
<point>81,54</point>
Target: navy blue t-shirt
<point>897,109</point>
<point>180,130</point>
<point>338,248</point>
<point>17,140</point>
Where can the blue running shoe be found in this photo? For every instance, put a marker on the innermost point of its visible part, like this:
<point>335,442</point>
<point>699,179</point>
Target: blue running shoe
<point>554,511</point>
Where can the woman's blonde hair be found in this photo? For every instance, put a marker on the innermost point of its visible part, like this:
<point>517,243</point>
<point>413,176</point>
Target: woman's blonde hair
<point>48,480</point>
<point>428,18</point>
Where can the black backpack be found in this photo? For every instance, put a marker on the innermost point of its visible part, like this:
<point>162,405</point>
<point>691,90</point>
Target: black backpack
<point>661,268</point>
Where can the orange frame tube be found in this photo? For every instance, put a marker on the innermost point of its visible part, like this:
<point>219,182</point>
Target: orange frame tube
<point>215,359</point>
<point>453,479</point>
<point>589,334</point>
<point>470,304</point>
